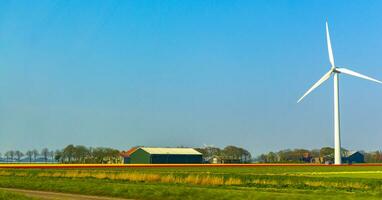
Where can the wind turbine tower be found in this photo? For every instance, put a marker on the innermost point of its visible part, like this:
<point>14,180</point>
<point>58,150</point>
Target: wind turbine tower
<point>335,71</point>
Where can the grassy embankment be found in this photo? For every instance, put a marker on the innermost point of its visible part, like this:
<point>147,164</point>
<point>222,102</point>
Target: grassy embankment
<point>274,182</point>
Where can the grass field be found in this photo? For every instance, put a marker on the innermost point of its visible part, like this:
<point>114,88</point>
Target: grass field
<point>252,182</point>
<point>10,195</point>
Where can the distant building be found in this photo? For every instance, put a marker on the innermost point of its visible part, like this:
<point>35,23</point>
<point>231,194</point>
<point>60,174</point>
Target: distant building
<point>322,160</point>
<point>353,157</point>
<point>347,157</point>
<point>222,160</point>
<point>306,157</point>
<point>215,160</point>
<point>126,155</point>
<point>154,155</point>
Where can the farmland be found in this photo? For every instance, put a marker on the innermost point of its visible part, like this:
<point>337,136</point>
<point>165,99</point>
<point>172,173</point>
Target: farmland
<point>4,195</point>
<point>201,182</point>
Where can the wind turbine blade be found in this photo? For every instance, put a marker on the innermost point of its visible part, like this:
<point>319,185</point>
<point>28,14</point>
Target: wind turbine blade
<point>356,74</point>
<point>318,83</point>
<point>330,51</point>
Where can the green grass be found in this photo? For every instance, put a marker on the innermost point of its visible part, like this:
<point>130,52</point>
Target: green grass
<point>271,182</point>
<point>4,195</point>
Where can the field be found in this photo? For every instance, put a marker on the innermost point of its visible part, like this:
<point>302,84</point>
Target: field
<point>202,182</point>
<point>10,195</point>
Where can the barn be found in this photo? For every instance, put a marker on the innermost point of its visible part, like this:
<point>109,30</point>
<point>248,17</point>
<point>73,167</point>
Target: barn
<point>155,155</point>
<point>354,157</point>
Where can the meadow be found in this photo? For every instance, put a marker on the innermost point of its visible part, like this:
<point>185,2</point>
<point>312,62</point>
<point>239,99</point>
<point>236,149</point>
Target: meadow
<point>4,195</point>
<point>239,182</point>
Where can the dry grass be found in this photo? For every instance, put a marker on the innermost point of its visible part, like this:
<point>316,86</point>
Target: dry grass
<point>4,173</point>
<point>233,181</point>
<point>137,177</point>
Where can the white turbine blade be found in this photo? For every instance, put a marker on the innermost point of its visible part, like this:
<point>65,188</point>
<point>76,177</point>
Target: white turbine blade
<point>330,51</point>
<point>318,83</point>
<point>356,74</point>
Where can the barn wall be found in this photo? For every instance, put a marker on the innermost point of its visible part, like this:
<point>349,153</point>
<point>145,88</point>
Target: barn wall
<point>140,157</point>
<point>174,159</point>
<point>356,158</point>
<point>126,160</point>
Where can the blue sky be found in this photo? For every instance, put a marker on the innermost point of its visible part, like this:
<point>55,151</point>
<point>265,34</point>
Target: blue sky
<point>186,73</point>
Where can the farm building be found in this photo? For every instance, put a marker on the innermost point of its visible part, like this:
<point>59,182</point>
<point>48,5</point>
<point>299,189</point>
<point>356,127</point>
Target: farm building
<point>126,155</point>
<point>347,157</point>
<point>222,160</point>
<point>354,157</point>
<point>154,155</point>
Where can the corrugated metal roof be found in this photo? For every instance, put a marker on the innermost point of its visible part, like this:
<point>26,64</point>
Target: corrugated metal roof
<point>183,151</point>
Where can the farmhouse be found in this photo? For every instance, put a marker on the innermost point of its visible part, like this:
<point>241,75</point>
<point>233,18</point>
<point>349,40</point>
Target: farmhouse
<point>155,155</point>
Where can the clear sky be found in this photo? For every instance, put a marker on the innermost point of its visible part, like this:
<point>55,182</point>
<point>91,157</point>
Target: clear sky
<point>172,73</point>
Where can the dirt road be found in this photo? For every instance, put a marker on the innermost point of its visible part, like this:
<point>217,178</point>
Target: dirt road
<point>56,195</point>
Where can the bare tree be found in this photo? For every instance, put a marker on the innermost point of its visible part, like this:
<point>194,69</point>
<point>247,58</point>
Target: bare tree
<point>35,154</point>
<point>45,154</point>
<point>51,155</point>
<point>18,155</point>
<point>10,155</point>
<point>29,154</point>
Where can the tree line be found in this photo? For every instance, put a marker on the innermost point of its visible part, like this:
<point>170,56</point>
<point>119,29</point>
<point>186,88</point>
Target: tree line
<point>229,154</point>
<point>373,157</point>
<point>69,154</point>
<point>304,155</point>
<point>82,154</point>
<point>31,155</point>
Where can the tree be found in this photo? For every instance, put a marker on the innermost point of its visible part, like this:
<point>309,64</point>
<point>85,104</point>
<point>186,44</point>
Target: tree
<point>18,155</point>
<point>212,151</point>
<point>9,155</point>
<point>301,155</point>
<point>326,151</point>
<point>29,154</point>
<point>246,156</point>
<point>373,157</point>
<point>272,157</point>
<point>112,155</point>
<point>45,154</point>
<point>209,151</point>
<point>203,151</point>
<point>105,155</point>
<point>68,153</point>
<point>51,155</point>
<point>236,154</point>
<point>231,152</point>
<point>80,153</point>
<point>315,153</point>
<point>35,154</point>
<point>58,156</point>
<point>263,158</point>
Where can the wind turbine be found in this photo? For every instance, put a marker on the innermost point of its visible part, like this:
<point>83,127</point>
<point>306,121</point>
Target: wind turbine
<point>335,71</point>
